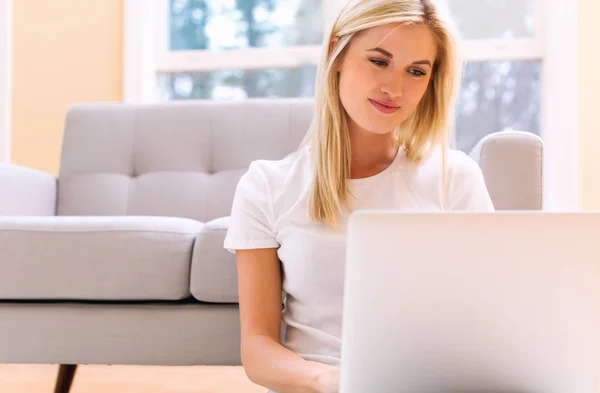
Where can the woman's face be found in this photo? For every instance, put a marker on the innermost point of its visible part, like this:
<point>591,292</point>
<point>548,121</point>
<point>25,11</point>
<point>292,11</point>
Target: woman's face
<point>384,74</point>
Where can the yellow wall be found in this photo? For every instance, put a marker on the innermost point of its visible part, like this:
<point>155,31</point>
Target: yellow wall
<point>65,51</point>
<point>589,88</point>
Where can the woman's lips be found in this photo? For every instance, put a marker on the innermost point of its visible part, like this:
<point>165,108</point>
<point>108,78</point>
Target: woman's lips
<point>384,107</point>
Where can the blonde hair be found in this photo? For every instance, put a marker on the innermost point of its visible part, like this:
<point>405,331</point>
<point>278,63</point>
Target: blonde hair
<point>425,129</point>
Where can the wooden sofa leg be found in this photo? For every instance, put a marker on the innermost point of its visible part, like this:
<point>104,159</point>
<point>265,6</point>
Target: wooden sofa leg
<point>66,373</point>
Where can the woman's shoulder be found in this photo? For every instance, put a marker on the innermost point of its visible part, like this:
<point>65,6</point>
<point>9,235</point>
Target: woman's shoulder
<point>258,199</point>
<point>461,164</point>
<point>466,188</point>
<point>457,163</point>
<point>279,173</point>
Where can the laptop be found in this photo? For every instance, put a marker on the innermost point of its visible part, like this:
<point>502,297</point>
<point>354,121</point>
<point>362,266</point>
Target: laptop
<point>503,302</point>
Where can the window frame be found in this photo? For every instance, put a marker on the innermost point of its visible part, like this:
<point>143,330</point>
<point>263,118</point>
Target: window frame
<point>555,25</point>
<point>5,78</point>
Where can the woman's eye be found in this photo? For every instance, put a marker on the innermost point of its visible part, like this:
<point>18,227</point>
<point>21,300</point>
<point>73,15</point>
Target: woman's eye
<point>379,63</point>
<point>417,73</point>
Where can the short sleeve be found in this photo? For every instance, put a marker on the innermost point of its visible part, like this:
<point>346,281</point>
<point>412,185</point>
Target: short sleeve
<point>467,188</point>
<point>251,225</point>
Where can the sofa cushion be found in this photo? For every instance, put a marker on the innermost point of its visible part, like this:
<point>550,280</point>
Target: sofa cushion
<point>96,258</point>
<point>214,272</point>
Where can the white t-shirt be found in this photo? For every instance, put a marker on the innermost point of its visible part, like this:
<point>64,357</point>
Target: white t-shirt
<point>270,211</point>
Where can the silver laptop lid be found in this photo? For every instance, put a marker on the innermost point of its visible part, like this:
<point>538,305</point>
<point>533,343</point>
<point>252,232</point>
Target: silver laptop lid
<point>472,302</point>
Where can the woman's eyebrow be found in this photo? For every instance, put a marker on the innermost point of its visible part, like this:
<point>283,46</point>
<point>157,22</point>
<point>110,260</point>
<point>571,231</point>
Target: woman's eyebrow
<point>382,51</point>
<point>391,56</point>
<point>425,62</point>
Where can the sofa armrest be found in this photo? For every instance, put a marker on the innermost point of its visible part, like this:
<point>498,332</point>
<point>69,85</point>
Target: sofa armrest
<point>511,162</point>
<point>26,192</point>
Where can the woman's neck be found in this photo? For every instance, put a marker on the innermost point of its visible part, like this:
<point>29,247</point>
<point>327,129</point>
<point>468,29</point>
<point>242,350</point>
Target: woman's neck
<point>371,153</point>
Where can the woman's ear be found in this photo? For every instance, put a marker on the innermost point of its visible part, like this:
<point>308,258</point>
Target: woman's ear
<point>332,44</point>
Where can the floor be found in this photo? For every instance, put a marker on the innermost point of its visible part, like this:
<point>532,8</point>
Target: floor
<point>128,379</point>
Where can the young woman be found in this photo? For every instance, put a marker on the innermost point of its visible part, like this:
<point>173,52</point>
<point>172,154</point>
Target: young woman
<point>384,98</point>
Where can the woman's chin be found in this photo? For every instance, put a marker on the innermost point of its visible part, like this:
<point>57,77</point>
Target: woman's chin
<point>372,126</point>
<point>378,130</point>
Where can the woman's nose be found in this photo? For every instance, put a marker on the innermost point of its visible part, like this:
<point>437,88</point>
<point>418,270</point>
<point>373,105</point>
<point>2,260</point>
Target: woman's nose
<point>393,87</point>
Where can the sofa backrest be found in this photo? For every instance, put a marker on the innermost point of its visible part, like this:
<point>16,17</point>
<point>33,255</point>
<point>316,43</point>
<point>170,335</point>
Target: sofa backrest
<point>181,159</point>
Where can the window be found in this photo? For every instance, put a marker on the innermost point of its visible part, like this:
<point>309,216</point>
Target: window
<point>240,84</point>
<point>496,96</point>
<point>207,56</point>
<point>237,49</point>
<point>237,24</point>
<point>499,91</point>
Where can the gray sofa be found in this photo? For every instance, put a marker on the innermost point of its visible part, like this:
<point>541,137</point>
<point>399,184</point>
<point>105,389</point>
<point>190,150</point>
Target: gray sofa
<point>119,260</point>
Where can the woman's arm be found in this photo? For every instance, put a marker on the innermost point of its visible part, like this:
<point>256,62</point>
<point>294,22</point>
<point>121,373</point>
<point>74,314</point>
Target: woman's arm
<point>265,360</point>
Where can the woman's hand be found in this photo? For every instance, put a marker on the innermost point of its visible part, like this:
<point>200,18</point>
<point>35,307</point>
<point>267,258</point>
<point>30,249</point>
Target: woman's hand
<point>326,379</point>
